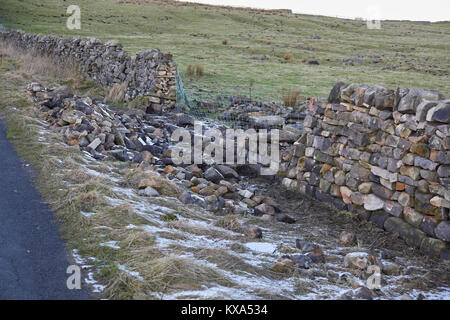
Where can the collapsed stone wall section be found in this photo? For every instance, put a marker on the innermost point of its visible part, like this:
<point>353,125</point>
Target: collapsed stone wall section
<point>149,73</point>
<point>380,153</point>
<point>383,154</point>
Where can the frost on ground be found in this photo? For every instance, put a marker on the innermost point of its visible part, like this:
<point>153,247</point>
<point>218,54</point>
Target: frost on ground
<point>246,264</point>
<point>159,242</point>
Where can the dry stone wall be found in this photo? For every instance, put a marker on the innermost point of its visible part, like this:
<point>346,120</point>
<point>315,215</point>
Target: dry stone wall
<point>383,154</point>
<point>149,74</point>
<point>380,153</point>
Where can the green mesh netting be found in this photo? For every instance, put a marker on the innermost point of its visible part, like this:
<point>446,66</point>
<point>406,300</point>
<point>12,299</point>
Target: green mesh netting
<point>183,104</point>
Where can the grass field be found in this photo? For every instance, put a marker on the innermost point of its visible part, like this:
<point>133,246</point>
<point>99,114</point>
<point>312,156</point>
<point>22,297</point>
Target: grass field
<point>407,54</point>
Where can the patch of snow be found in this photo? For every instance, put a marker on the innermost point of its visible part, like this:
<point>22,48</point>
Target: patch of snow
<point>127,192</point>
<point>103,227</point>
<point>114,202</point>
<point>440,293</point>
<point>211,293</point>
<point>110,244</point>
<point>87,214</point>
<point>81,261</point>
<point>131,273</point>
<point>261,247</point>
<point>77,258</point>
<point>97,288</point>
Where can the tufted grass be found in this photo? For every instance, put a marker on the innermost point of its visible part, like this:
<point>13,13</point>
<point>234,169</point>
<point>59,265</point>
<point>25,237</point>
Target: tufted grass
<point>61,176</point>
<point>415,54</point>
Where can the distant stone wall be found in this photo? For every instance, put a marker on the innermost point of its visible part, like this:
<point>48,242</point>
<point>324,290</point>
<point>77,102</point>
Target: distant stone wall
<point>150,73</point>
<point>380,153</point>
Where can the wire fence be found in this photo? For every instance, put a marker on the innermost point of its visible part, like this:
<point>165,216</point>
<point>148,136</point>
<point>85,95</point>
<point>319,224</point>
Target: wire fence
<point>237,111</point>
<point>215,111</point>
<point>230,110</point>
<point>183,104</point>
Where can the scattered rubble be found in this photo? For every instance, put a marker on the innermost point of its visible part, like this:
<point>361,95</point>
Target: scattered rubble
<point>145,141</point>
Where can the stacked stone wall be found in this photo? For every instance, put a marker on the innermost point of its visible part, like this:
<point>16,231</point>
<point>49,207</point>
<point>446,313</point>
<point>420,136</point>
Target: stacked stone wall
<point>149,73</point>
<point>383,154</point>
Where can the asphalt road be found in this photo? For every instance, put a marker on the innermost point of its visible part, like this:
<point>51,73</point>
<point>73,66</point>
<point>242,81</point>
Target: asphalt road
<point>33,259</point>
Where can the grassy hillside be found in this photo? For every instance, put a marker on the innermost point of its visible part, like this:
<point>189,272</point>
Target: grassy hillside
<point>407,54</point>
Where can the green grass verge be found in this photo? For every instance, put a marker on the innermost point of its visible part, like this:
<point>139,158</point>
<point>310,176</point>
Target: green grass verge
<point>413,54</point>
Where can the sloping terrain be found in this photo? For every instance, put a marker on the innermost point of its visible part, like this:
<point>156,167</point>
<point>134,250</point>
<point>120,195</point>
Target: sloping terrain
<point>404,54</point>
<point>135,245</point>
